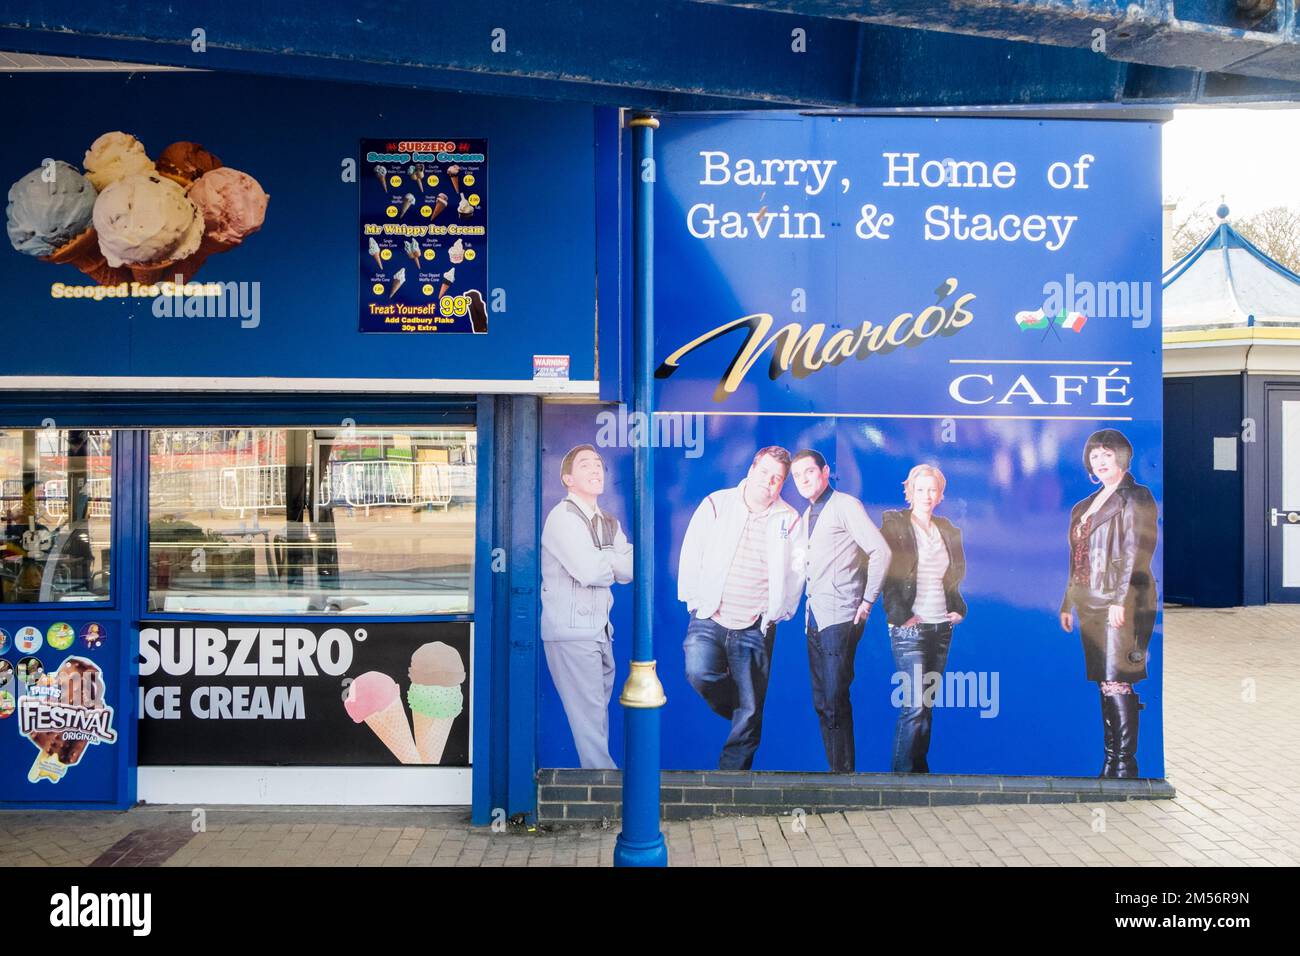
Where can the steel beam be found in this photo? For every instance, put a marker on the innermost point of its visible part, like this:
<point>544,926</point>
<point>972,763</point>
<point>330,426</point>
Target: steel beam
<point>679,55</point>
<point>1212,36</point>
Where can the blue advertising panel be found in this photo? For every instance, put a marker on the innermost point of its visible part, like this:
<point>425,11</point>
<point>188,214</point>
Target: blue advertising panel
<point>908,432</point>
<point>423,251</point>
<point>249,188</point>
<point>65,708</point>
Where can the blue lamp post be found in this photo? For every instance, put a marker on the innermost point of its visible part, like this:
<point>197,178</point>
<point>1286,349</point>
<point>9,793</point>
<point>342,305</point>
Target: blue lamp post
<point>641,842</point>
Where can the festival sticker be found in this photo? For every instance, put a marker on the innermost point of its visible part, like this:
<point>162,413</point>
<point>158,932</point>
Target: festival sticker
<point>63,714</point>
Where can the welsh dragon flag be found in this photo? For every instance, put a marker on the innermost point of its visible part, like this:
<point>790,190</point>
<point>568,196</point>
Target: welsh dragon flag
<point>1031,320</point>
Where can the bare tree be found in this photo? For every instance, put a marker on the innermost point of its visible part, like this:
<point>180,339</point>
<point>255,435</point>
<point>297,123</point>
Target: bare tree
<point>1276,232</point>
<point>1191,229</point>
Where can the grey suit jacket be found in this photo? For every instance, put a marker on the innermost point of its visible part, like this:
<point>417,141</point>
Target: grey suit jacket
<point>845,560</point>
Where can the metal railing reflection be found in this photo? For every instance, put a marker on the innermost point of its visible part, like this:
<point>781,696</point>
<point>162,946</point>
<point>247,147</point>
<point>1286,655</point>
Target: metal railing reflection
<point>98,491</point>
<point>355,484</point>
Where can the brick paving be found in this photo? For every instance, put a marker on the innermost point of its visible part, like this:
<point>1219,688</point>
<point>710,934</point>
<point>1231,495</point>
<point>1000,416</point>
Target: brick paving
<point>1232,719</point>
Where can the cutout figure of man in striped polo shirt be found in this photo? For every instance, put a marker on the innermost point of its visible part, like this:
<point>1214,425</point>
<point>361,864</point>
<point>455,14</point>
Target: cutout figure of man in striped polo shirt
<point>738,579</point>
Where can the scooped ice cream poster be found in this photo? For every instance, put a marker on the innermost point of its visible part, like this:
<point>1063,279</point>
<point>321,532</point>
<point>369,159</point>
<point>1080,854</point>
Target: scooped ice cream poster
<point>63,713</point>
<point>372,694</point>
<point>133,221</point>
<point>423,235</point>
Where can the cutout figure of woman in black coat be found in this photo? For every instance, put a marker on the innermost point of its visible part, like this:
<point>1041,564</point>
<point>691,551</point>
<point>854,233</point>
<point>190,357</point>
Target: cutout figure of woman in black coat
<point>1111,538</point>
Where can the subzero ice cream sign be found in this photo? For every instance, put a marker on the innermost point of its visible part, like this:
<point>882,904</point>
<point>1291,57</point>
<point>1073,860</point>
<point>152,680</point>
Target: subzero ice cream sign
<point>423,235</point>
<point>62,714</point>
<point>254,694</point>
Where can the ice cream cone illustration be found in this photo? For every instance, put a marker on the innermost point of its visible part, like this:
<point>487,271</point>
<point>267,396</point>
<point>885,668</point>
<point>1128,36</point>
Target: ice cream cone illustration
<point>375,700</point>
<point>397,282</point>
<point>80,684</point>
<point>453,173</point>
<point>50,216</point>
<point>417,173</point>
<point>438,206</point>
<point>115,156</point>
<point>464,209</point>
<point>83,253</point>
<point>149,225</point>
<point>233,207</point>
<point>373,252</point>
<point>183,163</point>
<point>456,253</point>
<point>382,173</point>
<point>436,699</point>
<point>413,250</point>
<point>407,202</point>
<point>448,278</point>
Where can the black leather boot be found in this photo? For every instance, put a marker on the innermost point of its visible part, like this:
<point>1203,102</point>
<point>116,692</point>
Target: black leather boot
<point>1126,735</point>
<point>1110,735</point>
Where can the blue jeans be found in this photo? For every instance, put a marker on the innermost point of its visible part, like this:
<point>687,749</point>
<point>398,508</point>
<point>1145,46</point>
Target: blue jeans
<point>830,661</point>
<point>730,669</point>
<point>923,648</point>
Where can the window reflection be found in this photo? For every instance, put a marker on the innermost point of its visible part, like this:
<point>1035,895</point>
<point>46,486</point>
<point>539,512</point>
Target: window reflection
<point>360,521</point>
<point>56,488</point>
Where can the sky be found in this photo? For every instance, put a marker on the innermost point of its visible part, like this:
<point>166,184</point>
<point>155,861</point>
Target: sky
<point>1249,156</point>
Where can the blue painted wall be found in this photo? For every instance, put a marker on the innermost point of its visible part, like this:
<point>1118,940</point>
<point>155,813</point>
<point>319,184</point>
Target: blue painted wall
<point>1013,476</point>
<point>292,136</point>
<point>1203,507</point>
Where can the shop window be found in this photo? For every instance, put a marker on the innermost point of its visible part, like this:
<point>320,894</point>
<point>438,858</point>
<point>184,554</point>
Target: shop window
<point>57,493</point>
<point>311,521</point>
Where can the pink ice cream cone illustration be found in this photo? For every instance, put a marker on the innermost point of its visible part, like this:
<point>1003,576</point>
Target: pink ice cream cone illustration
<point>374,699</point>
<point>439,205</point>
<point>436,699</point>
<point>448,278</point>
<point>397,282</point>
<point>407,202</point>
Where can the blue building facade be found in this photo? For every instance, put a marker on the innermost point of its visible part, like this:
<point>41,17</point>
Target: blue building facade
<point>253,531</point>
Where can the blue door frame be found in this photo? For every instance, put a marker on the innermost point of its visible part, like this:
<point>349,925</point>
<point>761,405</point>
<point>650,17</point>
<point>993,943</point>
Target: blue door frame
<point>105,778</point>
<point>505,578</point>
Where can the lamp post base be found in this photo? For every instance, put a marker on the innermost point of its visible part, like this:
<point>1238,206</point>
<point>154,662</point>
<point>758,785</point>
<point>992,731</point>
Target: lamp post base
<point>630,853</point>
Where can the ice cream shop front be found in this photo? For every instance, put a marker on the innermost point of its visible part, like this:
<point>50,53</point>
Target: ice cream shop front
<point>334,415</point>
<point>276,362</point>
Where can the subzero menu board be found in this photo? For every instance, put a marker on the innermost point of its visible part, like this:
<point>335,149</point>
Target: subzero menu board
<point>423,242</point>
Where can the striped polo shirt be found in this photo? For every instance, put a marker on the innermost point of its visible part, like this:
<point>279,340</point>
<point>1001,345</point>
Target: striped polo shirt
<point>931,604</point>
<point>744,593</point>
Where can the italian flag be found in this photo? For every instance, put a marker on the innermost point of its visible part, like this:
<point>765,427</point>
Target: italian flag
<point>1072,321</point>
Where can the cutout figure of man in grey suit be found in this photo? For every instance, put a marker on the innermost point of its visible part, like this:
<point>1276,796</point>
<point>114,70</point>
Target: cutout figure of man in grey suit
<point>846,558</point>
<point>584,552</point>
